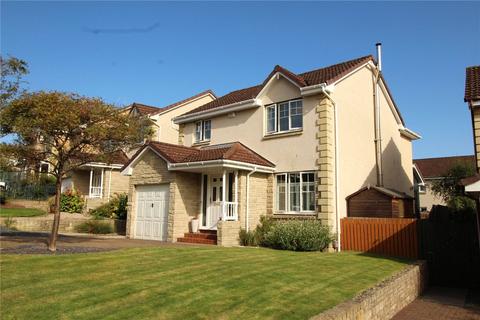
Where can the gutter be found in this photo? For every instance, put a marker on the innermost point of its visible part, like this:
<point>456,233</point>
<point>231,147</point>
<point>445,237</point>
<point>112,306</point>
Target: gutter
<point>217,163</point>
<point>237,106</point>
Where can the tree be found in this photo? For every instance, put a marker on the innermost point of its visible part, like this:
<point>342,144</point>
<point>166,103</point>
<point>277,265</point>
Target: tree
<point>67,131</point>
<point>12,71</point>
<point>450,189</point>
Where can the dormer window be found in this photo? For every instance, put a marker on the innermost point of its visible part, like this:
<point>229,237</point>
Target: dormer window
<point>203,130</point>
<point>284,116</point>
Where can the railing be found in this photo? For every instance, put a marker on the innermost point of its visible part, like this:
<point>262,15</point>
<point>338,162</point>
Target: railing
<point>230,212</point>
<point>95,192</point>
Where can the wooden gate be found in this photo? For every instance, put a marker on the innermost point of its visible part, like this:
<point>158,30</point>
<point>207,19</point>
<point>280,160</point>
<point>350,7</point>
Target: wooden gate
<point>449,243</point>
<point>395,237</point>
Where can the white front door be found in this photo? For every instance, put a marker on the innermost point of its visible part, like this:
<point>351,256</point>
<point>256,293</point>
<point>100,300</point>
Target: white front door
<point>151,220</point>
<point>214,204</point>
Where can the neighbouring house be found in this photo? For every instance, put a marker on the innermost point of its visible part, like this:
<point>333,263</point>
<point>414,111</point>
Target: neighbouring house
<point>98,181</point>
<point>295,146</point>
<point>429,170</point>
<point>165,129</point>
<point>472,97</point>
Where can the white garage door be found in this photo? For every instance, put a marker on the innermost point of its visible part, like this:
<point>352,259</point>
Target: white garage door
<point>152,212</point>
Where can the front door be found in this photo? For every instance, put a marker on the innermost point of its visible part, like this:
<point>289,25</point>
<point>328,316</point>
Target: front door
<point>214,202</point>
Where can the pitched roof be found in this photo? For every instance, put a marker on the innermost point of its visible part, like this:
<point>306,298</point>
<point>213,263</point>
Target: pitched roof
<point>117,157</point>
<point>470,180</point>
<point>392,193</point>
<point>173,105</point>
<point>326,75</point>
<point>472,83</point>
<point>235,151</point>
<point>438,167</point>
<point>144,109</point>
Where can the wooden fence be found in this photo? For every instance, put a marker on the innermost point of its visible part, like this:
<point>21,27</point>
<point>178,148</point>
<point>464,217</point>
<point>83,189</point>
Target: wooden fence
<point>395,237</point>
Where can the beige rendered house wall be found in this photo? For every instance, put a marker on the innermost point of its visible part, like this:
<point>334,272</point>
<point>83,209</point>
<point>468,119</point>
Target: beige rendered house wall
<point>165,129</point>
<point>289,152</point>
<point>356,147</point>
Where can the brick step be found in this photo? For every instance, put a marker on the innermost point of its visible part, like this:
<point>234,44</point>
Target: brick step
<point>210,236</point>
<point>197,240</point>
<point>208,231</point>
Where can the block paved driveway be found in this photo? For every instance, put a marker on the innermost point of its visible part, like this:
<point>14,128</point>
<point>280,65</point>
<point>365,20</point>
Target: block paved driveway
<point>440,304</point>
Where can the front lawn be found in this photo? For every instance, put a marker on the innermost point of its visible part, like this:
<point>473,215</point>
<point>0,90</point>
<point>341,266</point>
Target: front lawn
<point>184,283</point>
<point>21,212</point>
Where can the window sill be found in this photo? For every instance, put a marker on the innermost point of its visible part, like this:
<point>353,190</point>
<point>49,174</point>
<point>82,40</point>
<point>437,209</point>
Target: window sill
<point>201,143</point>
<point>295,215</point>
<point>283,134</point>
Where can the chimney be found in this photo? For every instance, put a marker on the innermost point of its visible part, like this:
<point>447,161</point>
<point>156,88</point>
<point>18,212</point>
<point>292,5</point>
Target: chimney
<point>379,55</point>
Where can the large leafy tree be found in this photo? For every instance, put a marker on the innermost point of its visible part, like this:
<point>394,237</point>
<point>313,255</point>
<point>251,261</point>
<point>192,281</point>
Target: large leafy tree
<point>67,131</point>
<point>12,71</point>
<point>450,189</point>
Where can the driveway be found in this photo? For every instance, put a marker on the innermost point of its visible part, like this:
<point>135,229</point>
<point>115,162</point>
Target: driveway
<point>442,304</point>
<point>36,242</point>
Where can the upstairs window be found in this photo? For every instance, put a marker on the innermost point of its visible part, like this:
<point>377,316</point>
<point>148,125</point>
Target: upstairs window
<point>284,116</point>
<point>203,130</point>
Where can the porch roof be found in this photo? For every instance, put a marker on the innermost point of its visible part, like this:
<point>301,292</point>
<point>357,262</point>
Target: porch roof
<point>177,155</point>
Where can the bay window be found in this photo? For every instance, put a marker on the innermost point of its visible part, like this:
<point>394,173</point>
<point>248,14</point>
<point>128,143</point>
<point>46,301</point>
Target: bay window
<point>203,130</point>
<point>284,116</point>
<point>295,192</point>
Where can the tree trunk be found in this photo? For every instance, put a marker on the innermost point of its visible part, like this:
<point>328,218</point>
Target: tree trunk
<point>52,243</point>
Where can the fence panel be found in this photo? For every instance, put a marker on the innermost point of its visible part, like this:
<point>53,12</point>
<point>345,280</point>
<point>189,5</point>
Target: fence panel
<point>386,236</point>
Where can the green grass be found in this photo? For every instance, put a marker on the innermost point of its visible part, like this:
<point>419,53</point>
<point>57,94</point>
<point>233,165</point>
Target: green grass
<point>184,283</point>
<point>21,212</point>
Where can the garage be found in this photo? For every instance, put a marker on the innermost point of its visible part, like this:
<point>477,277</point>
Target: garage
<point>151,221</point>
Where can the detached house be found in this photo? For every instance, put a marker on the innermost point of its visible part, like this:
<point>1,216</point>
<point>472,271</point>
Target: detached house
<point>98,181</point>
<point>294,146</point>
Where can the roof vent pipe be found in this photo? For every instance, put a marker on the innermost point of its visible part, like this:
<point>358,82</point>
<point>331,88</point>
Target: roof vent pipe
<point>377,124</point>
<point>379,55</point>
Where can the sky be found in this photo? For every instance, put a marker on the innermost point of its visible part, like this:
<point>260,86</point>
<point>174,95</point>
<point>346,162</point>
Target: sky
<point>157,53</point>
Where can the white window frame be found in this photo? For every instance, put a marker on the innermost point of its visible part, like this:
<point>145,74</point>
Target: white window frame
<point>287,193</point>
<point>201,124</point>
<point>276,107</point>
<point>275,117</point>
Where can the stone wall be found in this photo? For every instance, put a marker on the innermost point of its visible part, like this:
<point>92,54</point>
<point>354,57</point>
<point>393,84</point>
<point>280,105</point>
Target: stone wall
<point>68,223</point>
<point>227,233</point>
<point>149,170</point>
<point>33,204</point>
<point>261,198</point>
<point>385,299</point>
<point>184,203</point>
<point>326,163</point>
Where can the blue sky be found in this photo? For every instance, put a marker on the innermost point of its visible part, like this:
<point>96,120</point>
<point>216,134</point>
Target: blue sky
<point>157,53</point>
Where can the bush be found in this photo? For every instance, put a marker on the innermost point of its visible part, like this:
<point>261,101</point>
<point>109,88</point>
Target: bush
<point>261,231</point>
<point>116,208</point>
<point>247,238</point>
<point>298,235</point>
<point>95,227</point>
<point>71,201</point>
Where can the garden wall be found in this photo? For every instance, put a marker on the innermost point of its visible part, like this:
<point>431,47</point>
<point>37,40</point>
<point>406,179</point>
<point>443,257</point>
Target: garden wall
<point>68,223</point>
<point>385,299</point>
<point>33,204</point>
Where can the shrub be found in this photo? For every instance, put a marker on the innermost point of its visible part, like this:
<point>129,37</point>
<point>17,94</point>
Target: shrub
<point>116,208</point>
<point>261,231</point>
<point>247,238</point>
<point>299,235</point>
<point>71,201</point>
<point>95,227</point>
